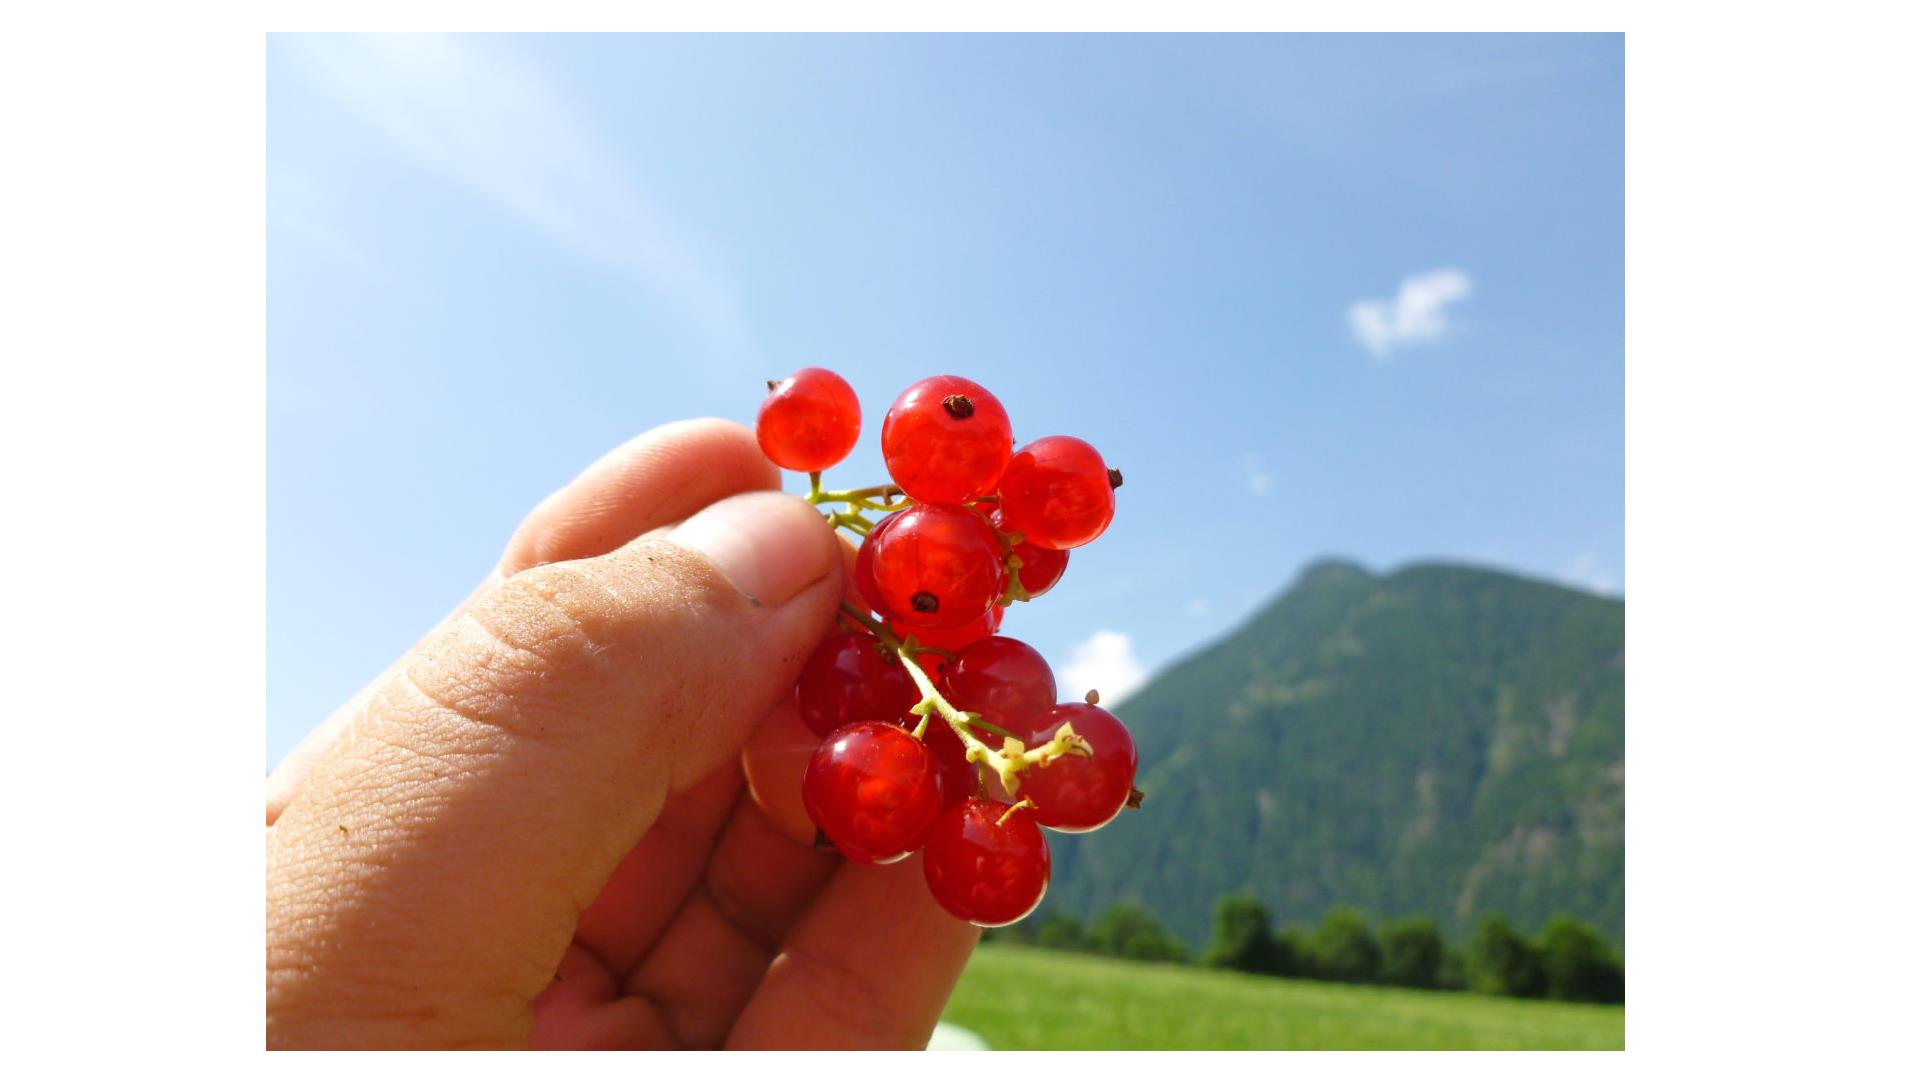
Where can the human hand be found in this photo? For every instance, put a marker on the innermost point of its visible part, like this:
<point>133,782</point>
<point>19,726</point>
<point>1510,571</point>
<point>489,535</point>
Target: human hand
<point>533,830</point>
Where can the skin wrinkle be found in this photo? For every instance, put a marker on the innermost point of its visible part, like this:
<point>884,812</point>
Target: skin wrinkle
<point>764,925</point>
<point>659,982</point>
<point>394,994</point>
<point>471,616</point>
<point>662,867</point>
<point>760,928</point>
<point>841,990</point>
<point>554,613</point>
<point>704,1019</point>
<point>670,826</point>
<point>585,972</point>
<point>540,607</point>
<point>602,971</point>
<point>420,795</point>
<point>764,939</point>
<point>402,1023</point>
<point>568,644</point>
<point>379,994</point>
<point>457,730</point>
<point>727,908</point>
<point>751,932</point>
<point>385,837</point>
<point>887,912</point>
<point>471,700</point>
<point>375,815</point>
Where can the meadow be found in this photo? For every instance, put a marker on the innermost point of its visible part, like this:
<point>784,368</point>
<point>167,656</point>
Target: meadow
<point>1020,998</point>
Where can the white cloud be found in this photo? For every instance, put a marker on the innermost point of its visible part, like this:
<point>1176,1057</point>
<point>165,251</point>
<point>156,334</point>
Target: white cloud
<point>1259,479</point>
<point>1418,313</point>
<point>1199,608</point>
<point>1586,571</point>
<point>494,122</point>
<point>1104,662</point>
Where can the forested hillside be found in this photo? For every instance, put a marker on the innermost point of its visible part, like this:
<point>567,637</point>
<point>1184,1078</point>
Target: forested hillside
<point>1443,740</point>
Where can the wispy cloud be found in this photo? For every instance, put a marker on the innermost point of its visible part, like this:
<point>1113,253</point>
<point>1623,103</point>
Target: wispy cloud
<point>1586,571</point>
<point>1199,607</point>
<point>1418,313</point>
<point>1104,662</point>
<point>491,120</point>
<point>300,209</point>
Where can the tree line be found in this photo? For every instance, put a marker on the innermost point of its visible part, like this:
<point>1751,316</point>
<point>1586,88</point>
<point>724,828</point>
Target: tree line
<point>1567,961</point>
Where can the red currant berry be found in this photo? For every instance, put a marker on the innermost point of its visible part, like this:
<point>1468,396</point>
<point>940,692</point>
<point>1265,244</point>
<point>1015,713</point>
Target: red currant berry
<point>1057,492</point>
<point>872,789</point>
<point>850,678</point>
<point>1006,681</point>
<point>1040,568</point>
<point>863,582</point>
<point>1080,794</point>
<point>934,567</point>
<point>953,640</point>
<point>946,440</point>
<point>809,422</point>
<point>986,865</point>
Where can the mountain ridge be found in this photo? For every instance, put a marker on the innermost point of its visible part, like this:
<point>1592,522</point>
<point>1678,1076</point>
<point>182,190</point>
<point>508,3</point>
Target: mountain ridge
<point>1441,739</point>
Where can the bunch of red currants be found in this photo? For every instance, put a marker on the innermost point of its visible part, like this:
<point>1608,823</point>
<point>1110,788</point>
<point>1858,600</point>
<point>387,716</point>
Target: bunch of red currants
<point>941,734</point>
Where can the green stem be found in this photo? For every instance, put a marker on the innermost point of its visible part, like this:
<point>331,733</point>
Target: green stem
<point>879,629</point>
<point>1023,804</point>
<point>1012,757</point>
<point>995,728</point>
<point>864,498</point>
<point>930,696</point>
<point>850,521</point>
<point>858,502</point>
<point>877,491</point>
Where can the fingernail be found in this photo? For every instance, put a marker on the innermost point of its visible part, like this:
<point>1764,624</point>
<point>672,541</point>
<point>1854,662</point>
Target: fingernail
<point>769,545</point>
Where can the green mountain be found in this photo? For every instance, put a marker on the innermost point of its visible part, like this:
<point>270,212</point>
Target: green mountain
<point>1442,740</point>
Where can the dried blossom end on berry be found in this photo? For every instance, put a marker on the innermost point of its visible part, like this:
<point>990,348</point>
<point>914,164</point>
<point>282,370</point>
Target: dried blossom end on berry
<point>1063,743</point>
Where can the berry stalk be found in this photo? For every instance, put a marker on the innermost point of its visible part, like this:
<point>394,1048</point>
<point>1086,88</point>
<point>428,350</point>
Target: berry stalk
<point>858,499</point>
<point>1013,755</point>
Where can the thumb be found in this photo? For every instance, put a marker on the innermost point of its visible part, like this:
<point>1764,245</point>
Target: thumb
<point>426,883</point>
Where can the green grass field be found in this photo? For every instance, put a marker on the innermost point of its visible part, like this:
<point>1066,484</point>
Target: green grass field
<point>1031,999</point>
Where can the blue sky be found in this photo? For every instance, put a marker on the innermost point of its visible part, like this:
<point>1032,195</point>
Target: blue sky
<point>1355,296</point>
